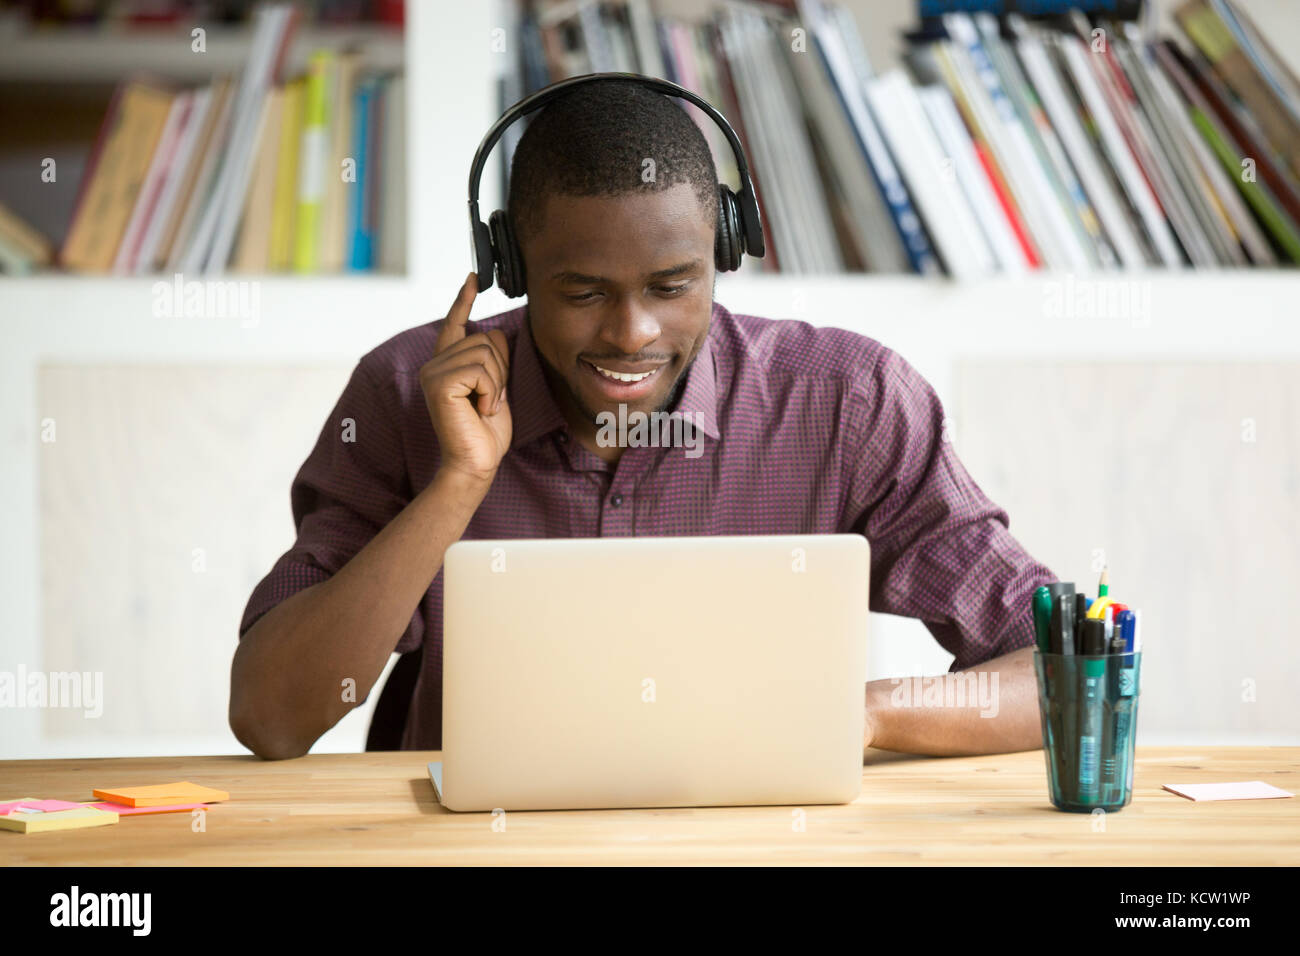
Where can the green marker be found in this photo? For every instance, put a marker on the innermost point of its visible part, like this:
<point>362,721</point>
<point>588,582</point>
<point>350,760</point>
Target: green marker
<point>1042,618</point>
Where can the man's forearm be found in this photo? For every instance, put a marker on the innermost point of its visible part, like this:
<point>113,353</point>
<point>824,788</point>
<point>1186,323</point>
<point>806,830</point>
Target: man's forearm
<point>989,708</point>
<point>286,682</point>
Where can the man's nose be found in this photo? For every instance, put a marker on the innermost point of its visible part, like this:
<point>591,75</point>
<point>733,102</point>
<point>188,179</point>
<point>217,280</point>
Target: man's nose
<point>629,327</point>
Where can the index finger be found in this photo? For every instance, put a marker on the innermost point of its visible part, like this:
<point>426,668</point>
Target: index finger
<point>453,329</point>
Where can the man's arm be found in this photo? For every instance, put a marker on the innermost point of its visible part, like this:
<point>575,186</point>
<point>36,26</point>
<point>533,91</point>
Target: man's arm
<point>988,708</point>
<point>286,680</point>
<point>941,552</point>
<point>287,677</point>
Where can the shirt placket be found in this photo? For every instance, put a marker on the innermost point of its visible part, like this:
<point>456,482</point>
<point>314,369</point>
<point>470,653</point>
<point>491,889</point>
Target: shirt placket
<point>616,483</point>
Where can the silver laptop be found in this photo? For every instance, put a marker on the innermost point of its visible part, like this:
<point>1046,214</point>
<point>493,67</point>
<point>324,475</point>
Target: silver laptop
<point>653,672</point>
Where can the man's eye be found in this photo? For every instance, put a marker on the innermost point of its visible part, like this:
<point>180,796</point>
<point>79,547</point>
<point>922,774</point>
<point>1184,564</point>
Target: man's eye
<point>583,297</point>
<point>672,290</point>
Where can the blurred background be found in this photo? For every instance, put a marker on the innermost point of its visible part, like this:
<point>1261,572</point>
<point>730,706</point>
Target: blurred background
<point>1081,225</point>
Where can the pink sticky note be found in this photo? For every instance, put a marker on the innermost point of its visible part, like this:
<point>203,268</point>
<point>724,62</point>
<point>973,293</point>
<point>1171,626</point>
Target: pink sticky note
<point>1250,790</point>
<point>123,810</point>
<point>44,806</point>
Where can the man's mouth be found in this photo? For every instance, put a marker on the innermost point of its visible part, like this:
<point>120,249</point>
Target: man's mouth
<point>623,382</point>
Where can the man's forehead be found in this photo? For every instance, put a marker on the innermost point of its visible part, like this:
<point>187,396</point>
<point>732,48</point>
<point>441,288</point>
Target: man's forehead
<point>663,213</point>
<point>639,233</point>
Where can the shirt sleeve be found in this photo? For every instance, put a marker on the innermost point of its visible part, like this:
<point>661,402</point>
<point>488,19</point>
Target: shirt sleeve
<point>350,487</point>
<point>941,551</point>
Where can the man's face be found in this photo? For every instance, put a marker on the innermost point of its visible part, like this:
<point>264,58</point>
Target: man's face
<point>620,294</point>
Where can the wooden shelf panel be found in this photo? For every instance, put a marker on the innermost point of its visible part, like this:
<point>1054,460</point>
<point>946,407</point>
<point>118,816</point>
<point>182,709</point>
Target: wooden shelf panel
<point>104,56</point>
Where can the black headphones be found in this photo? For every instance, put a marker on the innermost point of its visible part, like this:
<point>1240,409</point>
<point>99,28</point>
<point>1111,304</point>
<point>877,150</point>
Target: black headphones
<point>739,228</point>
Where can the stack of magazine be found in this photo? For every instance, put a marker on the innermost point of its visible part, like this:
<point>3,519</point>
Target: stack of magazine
<point>1006,144</point>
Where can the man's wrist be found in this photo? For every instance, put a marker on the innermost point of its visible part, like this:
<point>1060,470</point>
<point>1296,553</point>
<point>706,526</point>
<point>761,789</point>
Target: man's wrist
<point>871,707</point>
<point>461,485</point>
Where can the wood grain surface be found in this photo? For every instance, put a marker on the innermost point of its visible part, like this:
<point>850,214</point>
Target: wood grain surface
<point>379,809</point>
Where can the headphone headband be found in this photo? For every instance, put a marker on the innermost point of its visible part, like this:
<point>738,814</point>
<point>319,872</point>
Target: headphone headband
<point>543,96</point>
<point>750,224</point>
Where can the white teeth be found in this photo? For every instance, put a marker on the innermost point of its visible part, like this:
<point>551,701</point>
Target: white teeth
<point>624,376</point>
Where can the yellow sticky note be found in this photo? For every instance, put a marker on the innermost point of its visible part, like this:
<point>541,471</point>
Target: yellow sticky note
<point>57,820</point>
<point>162,794</point>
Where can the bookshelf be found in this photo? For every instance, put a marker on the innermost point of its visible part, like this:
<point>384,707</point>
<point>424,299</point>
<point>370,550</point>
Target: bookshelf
<point>1204,316</point>
<point>93,56</point>
<point>451,103</point>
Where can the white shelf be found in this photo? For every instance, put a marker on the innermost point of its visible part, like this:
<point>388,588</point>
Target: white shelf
<point>1238,314</point>
<point>92,55</point>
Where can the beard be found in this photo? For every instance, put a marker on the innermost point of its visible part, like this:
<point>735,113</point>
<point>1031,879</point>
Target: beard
<point>561,389</point>
<point>560,383</point>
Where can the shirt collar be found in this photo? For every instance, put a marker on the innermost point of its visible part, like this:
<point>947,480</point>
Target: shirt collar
<point>534,412</point>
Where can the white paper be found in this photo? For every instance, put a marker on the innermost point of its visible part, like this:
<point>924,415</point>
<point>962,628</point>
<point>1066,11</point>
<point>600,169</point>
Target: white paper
<point>1250,790</point>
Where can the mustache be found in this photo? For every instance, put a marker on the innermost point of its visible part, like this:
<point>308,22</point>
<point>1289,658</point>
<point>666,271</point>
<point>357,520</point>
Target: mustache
<point>626,358</point>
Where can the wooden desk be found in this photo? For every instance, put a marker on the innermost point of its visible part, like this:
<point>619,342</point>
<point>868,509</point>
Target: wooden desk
<point>379,809</point>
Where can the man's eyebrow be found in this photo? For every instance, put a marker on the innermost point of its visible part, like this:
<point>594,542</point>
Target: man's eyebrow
<point>581,278</point>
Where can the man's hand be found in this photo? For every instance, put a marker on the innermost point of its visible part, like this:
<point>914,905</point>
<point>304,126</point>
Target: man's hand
<point>464,388</point>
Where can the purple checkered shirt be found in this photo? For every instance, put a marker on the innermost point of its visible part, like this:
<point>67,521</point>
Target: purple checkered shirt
<point>806,431</point>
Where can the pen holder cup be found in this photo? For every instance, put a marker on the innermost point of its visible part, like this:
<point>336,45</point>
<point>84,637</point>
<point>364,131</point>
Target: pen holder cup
<point>1088,707</point>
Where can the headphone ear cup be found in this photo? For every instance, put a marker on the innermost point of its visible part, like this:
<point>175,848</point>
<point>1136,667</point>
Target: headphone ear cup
<point>510,266</point>
<point>727,245</point>
<point>482,239</point>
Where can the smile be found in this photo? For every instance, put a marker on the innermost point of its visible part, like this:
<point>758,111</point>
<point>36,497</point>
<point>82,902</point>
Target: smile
<point>626,384</point>
<point>624,376</point>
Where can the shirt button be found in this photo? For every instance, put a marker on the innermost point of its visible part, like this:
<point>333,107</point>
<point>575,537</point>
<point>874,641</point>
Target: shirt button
<point>616,501</point>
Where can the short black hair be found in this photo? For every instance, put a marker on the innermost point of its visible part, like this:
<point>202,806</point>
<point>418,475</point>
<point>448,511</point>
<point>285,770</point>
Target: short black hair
<point>594,140</point>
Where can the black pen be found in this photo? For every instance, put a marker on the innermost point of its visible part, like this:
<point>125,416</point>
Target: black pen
<point>1080,615</point>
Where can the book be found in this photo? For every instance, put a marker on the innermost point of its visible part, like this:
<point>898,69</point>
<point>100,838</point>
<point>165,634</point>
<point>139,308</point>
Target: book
<point>334,202</point>
<point>1274,219</point>
<point>27,248</point>
<point>121,158</point>
<point>846,60</point>
<point>155,180</point>
<point>1213,229</point>
<point>1117,151</point>
<point>856,191</point>
<point>1084,158</point>
<point>197,180</point>
<point>1013,149</point>
<point>210,245</point>
<point>253,251</point>
<point>1133,124</point>
<point>361,213</point>
<point>285,200</point>
<point>990,214</point>
<point>392,182</point>
<point>165,213</point>
<point>1200,20</point>
<point>313,162</point>
<point>933,186</point>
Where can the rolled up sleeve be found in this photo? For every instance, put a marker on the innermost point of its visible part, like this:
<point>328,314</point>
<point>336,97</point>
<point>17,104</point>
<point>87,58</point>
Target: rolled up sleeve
<point>941,551</point>
<point>350,487</point>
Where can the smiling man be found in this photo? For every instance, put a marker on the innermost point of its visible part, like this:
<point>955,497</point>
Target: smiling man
<point>445,433</point>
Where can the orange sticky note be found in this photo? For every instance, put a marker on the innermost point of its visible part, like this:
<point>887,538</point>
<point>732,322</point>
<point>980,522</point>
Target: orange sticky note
<point>162,794</point>
<point>122,810</point>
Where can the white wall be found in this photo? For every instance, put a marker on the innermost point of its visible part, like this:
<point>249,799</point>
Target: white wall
<point>99,529</point>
